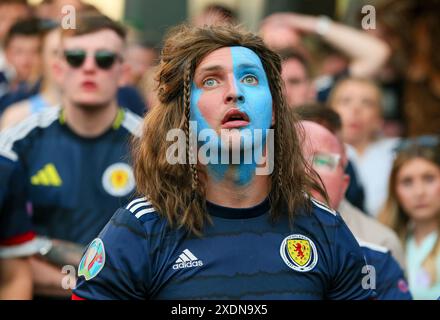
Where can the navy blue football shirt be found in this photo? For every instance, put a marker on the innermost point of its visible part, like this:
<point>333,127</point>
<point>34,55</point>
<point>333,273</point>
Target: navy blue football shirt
<point>388,277</point>
<point>241,255</point>
<point>70,185</point>
<point>17,237</point>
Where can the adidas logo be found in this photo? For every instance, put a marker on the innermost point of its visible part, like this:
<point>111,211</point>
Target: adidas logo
<point>48,176</point>
<point>187,260</point>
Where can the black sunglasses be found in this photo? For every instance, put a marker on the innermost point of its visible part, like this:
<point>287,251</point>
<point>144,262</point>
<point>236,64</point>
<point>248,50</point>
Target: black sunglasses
<point>104,59</point>
<point>428,141</point>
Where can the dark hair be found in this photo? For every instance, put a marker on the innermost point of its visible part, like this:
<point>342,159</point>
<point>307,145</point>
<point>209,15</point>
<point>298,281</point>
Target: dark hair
<point>27,27</point>
<point>319,113</point>
<point>6,2</point>
<point>290,53</point>
<point>90,21</point>
<point>47,25</point>
<point>226,13</point>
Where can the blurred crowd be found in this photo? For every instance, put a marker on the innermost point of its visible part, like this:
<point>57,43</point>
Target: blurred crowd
<point>375,92</point>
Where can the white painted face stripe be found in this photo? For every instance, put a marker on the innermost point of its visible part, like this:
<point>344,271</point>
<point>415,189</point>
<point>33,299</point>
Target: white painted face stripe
<point>143,212</point>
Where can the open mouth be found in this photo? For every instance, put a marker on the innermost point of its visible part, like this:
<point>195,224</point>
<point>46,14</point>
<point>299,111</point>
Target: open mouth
<point>235,118</point>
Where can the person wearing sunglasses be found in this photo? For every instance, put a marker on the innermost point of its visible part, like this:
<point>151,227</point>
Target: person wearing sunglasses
<point>49,94</point>
<point>412,209</point>
<point>69,167</point>
<point>326,154</point>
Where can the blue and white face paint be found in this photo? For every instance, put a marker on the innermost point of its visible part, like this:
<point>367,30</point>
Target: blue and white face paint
<point>231,99</point>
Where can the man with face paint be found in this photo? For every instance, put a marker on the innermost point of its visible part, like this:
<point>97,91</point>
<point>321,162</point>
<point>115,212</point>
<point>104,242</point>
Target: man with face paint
<point>231,99</point>
<point>206,226</point>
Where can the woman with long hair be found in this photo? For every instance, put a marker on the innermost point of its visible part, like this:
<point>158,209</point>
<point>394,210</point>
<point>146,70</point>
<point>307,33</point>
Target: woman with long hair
<point>413,211</point>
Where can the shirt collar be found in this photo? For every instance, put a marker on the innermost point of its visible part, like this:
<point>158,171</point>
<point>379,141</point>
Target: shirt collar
<point>115,125</point>
<point>238,213</point>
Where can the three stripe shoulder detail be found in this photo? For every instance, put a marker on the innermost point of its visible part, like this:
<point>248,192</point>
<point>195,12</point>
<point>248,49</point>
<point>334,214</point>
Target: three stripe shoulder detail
<point>140,207</point>
<point>10,135</point>
<point>323,206</point>
<point>132,122</point>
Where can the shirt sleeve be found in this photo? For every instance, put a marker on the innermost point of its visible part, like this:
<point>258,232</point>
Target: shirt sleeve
<point>350,271</point>
<point>116,265</point>
<point>17,237</point>
<point>390,282</point>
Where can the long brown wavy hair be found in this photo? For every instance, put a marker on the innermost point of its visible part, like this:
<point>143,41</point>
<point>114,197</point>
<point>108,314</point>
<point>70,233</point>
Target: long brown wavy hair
<point>175,190</point>
<point>393,214</point>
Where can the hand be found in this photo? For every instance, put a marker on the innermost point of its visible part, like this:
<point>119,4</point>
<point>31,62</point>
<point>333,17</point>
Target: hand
<point>299,23</point>
<point>64,253</point>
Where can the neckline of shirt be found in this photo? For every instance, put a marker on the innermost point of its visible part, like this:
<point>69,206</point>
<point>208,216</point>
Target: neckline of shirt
<point>238,213</point>
<point>117,123</point>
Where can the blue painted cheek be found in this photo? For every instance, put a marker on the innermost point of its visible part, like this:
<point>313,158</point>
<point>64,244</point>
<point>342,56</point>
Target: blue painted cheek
<point>258,99</point>
<point>257,103</point>
<point>258,106</point>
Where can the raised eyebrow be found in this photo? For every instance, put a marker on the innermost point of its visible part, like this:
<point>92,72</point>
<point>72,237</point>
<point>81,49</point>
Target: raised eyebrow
<point>249,66</point>
<point>210,69</point>
<point>220,68</point>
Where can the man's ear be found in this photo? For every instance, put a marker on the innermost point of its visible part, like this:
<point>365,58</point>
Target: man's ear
<point>125,76</point>
<point>345,183</point>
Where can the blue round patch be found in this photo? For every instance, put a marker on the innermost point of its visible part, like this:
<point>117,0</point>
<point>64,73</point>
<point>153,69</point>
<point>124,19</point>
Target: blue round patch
<point>93,260</point>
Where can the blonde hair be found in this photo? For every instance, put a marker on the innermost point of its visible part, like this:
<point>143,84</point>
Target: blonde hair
<point>393,214</point>
<point>176,191</point>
